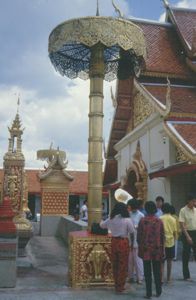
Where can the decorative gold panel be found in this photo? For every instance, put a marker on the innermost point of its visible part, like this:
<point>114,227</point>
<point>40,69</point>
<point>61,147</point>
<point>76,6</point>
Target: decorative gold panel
<point>89,259</point>
<point>180,155</point>
<point>138,167</point>
<point>54,203</point>
<point>142,109</point>
<point>14,182</point>
<point>109,31</point>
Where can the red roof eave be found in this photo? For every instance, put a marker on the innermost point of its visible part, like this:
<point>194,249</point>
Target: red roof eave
<point>174,170</point>
<point>112,186</point>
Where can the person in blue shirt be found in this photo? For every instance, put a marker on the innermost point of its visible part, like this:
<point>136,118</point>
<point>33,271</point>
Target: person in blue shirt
<point>141,207</point>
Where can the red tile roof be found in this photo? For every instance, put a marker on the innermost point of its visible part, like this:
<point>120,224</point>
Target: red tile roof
<point>164,50</point>
<point>186,132</point>
<point>176,169</point>
<point>121,118</point>
<point>78,186</point>
<point>185,20</point>
<point>33,181</point>
<point>183,98</point>
<point>122,114</point>
<point>110,173</point>
<point>80,183</point>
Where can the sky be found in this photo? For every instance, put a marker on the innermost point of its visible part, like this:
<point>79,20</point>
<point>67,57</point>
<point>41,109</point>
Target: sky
<point>53,108</point>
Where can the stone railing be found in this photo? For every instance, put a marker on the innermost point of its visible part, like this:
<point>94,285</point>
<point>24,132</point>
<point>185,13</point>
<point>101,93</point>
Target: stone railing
<point>67,224</point>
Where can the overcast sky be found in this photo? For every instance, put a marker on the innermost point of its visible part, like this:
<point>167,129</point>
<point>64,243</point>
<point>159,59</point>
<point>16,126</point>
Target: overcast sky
<point>53,108</point>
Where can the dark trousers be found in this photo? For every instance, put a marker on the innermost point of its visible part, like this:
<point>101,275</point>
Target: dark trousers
<point>120,254</point>
<point>186,252</point>
<point>155,267</point>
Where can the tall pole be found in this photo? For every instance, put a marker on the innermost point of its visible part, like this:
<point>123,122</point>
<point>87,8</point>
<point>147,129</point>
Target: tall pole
<point>95,141</point>
<point>81,47</point>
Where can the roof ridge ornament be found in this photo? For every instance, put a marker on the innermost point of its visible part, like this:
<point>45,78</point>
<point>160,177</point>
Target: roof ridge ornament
<point>114,101</point>
<point>163,109</point>
<point>18,103</point>
<point>166,3</point>
<point>193,48</point>
<point>117,10</point>
<point>97,13</point>
<point>168,98</point>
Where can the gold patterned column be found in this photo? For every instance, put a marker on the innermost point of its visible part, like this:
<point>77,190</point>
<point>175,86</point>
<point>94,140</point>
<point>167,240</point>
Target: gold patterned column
<point>95,161</point>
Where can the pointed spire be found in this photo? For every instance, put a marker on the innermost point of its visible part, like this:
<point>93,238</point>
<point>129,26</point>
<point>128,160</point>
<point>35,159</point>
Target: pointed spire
<point>114,101</point>
<point>166,3</point>
<point>168,102</point>
<point>97,13</point>
<point>18,103</point>
<point>193,48</point>
<point>117,10</point>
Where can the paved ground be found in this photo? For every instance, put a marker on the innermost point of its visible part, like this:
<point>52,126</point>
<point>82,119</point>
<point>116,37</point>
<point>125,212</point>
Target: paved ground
<point>43,275</point>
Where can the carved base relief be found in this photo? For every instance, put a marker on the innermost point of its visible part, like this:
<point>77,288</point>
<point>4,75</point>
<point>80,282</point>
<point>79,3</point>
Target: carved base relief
<point>89,259</point>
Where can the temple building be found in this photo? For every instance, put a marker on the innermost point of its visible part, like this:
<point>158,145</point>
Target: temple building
<point>152,145</point>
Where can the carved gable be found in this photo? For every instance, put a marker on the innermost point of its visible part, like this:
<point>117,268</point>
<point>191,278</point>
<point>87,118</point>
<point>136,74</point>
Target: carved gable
<point>142,109</point>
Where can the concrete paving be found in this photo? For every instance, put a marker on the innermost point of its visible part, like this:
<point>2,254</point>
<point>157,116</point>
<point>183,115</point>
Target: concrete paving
<point>43,275</point>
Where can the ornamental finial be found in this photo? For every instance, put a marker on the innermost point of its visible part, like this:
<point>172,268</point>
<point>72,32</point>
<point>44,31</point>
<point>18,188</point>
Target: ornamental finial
<point>97,13</point>
<point>18,103</point>
<point>166,3</point>
<point>117,9</point>
<point>168,102</point>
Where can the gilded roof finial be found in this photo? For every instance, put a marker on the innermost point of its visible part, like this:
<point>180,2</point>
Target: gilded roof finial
<point>114,101</point>
<point>97,13</point>
<point>168,102</point>
<point>166,3</point>
<point>18,103</point>
<point>193,48</point>
<point>117,10</point>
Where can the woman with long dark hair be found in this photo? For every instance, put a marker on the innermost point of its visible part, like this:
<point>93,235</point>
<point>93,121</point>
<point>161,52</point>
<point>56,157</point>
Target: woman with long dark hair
<point>121,228</point>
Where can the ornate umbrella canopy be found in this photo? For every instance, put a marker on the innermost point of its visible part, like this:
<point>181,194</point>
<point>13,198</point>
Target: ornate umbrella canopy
<point>70,45</point>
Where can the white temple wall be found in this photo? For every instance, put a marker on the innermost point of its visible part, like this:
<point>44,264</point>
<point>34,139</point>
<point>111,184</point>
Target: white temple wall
<point>125,158</point>
<point>157,152</point>
<point>159,187</point>
<point>159,157</point>
<point>180,188</point>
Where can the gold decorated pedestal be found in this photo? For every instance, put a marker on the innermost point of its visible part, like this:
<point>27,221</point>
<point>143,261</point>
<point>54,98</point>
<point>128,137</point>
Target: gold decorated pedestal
<point>89,259</point>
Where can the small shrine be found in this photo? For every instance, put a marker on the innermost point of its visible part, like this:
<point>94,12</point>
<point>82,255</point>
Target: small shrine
<point>54,181</point>
<point>15,183</point>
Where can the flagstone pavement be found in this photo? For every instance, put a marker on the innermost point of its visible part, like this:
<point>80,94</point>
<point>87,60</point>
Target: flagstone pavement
<point>43,275</point>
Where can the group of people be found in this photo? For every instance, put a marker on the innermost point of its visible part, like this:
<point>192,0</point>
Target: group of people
<point>144,238</point>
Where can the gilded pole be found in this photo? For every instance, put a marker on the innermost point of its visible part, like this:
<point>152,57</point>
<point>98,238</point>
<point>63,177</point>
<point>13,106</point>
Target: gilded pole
<point>95,141</point>
<point>97,48</point>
